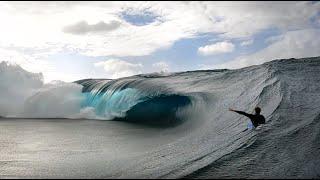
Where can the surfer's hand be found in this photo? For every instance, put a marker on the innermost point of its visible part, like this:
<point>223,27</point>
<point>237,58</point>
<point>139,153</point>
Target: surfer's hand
<point>231,109</point>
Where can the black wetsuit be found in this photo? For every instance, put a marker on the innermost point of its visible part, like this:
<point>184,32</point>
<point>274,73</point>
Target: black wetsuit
<point>256,119</point>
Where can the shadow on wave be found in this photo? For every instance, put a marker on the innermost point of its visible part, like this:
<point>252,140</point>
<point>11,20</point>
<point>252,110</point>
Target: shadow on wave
<point>160,111</point>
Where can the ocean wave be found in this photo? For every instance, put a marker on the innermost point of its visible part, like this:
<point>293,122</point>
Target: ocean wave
<point>204,133</point>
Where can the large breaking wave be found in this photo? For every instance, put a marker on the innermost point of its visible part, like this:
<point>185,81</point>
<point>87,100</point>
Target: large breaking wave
<point>287,90</point>
<point>130,99</point>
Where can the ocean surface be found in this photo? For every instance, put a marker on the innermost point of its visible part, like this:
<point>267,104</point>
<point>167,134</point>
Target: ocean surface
<point>174,125</point>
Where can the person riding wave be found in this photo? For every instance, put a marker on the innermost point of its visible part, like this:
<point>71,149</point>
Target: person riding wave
<point>256,118</point>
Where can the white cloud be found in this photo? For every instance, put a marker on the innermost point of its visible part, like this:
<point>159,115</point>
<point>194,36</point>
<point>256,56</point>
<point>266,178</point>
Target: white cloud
<point>247,43</point>
<point>83,27</point>
<point>42,29</point>
<point>243,19</point>
<point>161,66</point>
<point>292,44</point>
<point>217,48</point>
<point>116,68</point>
<point>38,26</point>
<point>42,23</point>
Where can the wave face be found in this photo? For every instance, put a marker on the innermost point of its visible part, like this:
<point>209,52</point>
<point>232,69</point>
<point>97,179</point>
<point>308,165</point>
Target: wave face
<point>208,141</point>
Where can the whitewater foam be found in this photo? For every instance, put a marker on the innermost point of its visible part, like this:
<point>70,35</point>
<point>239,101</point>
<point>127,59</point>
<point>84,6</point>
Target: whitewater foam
<point>23,94</point>
<point>16,86</point>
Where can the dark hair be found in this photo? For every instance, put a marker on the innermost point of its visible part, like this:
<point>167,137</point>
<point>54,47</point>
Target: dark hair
<point>258,110</point>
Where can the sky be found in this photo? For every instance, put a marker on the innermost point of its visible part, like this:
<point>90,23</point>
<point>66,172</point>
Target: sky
<point>74,40</point>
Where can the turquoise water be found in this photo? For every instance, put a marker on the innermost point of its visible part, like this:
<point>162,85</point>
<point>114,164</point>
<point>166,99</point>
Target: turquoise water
<point>111,104</point>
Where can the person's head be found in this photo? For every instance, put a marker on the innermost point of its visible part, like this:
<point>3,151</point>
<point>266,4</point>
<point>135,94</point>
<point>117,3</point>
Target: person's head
<point>257,110</point>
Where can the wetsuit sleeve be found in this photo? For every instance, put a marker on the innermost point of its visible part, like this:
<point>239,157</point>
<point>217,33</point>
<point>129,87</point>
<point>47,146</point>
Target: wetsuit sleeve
<point>250,116</point>
<point>243,113</point>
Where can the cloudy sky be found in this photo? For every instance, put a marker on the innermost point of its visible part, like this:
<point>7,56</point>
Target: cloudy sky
<point>75,40</point>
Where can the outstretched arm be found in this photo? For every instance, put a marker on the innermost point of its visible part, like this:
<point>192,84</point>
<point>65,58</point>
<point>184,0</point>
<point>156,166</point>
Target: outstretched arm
<point>240,112</point>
